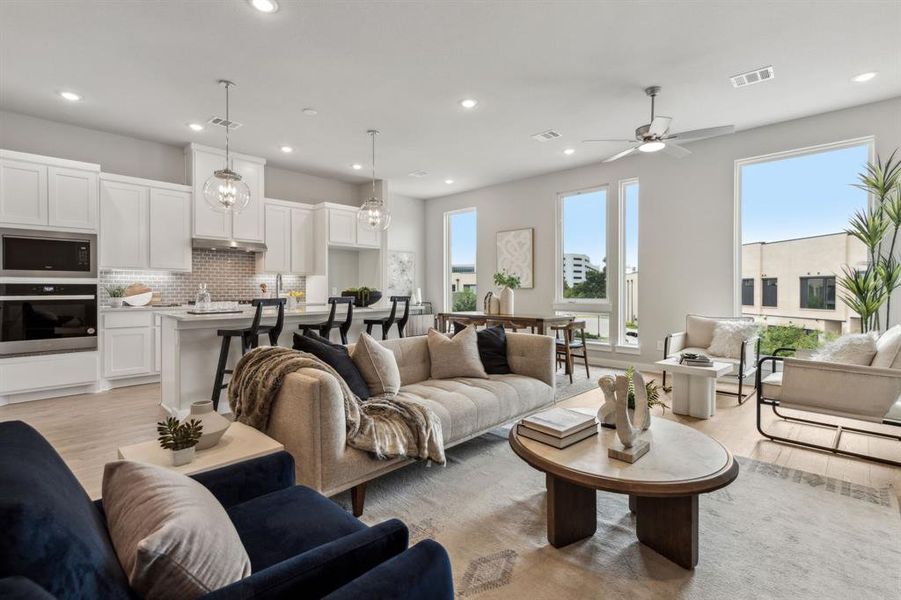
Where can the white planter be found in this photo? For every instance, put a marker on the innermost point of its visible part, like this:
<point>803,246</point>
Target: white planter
<point>506,301</point>
<point>116,302</point>
<point>214,424</point>
<point>182,457</point>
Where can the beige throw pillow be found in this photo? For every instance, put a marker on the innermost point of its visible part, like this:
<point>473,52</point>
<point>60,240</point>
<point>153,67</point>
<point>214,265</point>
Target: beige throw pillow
<point>172,537</point>
<point>377,365</point>
<point>887,347</point>
<point>728,336</point>
<point>850,349</point>
<point>457,356</point>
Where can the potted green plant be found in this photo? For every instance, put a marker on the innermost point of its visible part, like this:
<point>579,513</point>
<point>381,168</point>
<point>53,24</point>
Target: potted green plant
<point>180,438</point>
<point>116,294</point>
<point>507,283</point>
<point>363,296</point>
<point>651,387</point>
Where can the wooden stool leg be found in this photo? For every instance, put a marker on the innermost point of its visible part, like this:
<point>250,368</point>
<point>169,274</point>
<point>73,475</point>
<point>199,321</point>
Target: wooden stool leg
<point>220,370</point>
<point>369,328</point>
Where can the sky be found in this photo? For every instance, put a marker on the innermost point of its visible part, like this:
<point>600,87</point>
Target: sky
<point>801,196</point>
<point>463,238</point>
<point>585,225</point>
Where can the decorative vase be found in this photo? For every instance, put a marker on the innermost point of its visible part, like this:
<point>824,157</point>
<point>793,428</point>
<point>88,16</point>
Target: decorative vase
<point>291,303</point>
<point>182,457</point>
<point>506,301</point>
<point>214,424</point>
<point>116,302</point>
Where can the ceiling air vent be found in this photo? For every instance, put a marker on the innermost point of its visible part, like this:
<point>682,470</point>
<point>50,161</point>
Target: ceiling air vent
<point>752,77</point>
<point>418,174</point>
<point>232,125</point>
<point>546,136</point>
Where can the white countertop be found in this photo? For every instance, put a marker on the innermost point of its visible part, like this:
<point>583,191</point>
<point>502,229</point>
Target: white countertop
<point>127,308</point>
<point>308,310</point>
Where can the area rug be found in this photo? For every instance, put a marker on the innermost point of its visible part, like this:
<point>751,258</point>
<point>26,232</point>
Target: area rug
<point>773,533</point>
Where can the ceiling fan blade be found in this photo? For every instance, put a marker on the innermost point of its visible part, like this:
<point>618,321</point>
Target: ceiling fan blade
<point>611,141</point>
<point>659,126</point>
<point>619,155</point>
<point>700,134</point>
<point>677,151</point>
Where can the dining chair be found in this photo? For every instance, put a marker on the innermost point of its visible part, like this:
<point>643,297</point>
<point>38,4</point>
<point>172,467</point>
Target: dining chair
<point>568,347</point>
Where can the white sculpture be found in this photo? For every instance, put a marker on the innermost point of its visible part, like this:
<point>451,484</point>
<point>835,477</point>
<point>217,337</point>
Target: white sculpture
<point>626,430</point>
<point>607,411</point>
<point>618,387</point>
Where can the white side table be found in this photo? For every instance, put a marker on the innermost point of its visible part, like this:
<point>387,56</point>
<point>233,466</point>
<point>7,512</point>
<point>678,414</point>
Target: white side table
<point>694,388</point>
<point>237,444</point>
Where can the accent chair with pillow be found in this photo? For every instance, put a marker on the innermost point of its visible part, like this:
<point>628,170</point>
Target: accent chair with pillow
<point>291,541</point>
<point>732,340</point>
<point>855,377</point>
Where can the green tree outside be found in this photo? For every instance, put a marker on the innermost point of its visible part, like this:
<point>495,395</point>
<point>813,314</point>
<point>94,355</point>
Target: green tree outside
<point>464,300</point>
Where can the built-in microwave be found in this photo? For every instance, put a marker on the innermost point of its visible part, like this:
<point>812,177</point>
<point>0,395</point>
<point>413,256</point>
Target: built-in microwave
<point>35,253</point>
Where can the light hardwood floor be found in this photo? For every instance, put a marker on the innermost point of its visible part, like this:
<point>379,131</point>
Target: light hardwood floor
<point>87,430</point>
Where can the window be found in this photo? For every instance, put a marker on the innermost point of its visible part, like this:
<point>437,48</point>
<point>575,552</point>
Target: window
<point>460,260</point>
<point>747,292</point>
<point>818,292</point>
<point>770,287</point>
<point>628,235</point>
<point>597,325</point>
<point>582,240</point>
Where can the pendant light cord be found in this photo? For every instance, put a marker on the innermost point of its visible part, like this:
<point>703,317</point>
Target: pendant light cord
<point>227,126</point>
<point>372,135</point>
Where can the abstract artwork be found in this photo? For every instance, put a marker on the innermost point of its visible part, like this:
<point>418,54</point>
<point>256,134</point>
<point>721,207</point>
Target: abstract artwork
<point>515,254</point>
<point>401,273</point>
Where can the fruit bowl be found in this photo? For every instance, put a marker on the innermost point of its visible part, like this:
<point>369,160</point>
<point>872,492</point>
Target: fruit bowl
<point>138,299</point>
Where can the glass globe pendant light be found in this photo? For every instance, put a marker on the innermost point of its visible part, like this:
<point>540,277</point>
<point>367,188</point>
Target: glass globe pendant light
<point>373,214</point>
<point>224,191</point>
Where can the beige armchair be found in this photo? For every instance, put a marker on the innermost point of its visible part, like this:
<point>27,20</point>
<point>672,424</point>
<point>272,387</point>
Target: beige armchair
<point>863,393</point>
<point>697,337</point>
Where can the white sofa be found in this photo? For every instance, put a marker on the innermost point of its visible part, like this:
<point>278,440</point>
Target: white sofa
<point>308,413</point>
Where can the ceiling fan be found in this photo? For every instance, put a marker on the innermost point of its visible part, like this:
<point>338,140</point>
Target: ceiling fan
<point>655,136</point>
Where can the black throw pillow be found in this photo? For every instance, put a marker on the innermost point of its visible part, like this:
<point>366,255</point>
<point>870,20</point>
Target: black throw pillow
<point>335,356</point>
<point>492,343</point>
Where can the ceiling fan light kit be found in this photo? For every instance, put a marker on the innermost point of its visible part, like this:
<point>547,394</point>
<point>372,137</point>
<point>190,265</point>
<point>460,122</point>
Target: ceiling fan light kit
<point>225,191</point>
<point>655,136</point>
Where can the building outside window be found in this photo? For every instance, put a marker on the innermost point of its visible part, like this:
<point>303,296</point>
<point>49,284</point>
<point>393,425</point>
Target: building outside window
<point>818,293</point>
<point>460,258</point>
<point>770,289</point>
<point>747,292</point>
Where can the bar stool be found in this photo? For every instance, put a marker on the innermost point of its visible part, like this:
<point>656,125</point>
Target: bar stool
<point>388,321</point>
<point>325,329</point>
<point>250,338</point>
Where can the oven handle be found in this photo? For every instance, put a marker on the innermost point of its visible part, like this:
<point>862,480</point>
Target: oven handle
<point>50,297</point>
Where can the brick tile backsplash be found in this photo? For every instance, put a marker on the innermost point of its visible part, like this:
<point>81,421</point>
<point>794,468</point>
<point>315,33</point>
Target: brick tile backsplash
<point>228,274</point>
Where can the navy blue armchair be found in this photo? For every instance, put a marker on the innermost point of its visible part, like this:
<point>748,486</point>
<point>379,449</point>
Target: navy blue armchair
<point>54,542</point>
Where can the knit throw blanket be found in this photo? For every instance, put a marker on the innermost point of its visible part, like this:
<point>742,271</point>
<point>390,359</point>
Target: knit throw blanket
<point>386,427</point>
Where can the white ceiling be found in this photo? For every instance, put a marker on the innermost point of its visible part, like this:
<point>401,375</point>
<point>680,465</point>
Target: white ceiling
<point>148,68</point>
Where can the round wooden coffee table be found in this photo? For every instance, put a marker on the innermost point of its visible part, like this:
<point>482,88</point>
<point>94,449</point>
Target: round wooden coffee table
<point>663,485</point>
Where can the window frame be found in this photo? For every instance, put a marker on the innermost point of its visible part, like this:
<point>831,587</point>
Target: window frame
<point>586,305</point>
<point>744,287</point>
<point>802,279</point>
<point>448,258</point>
<point>763,288</point>
<point>621,345</point>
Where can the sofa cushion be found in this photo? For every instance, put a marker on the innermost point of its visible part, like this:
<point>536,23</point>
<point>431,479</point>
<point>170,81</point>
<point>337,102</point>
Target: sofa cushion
<point>887,349</point>
<point>772,386</point>
<point>850,349</point>
<point>468,405</point>
<point>699,330</point>
<point>50,531</point>
<point>456,356</point>
<point>728,337</point>
<point>412,354</point>
<point>378,366</point>
<point>298,517</point>
<point>173,538</point>
<point>337,357</point>
<point>492,343</point>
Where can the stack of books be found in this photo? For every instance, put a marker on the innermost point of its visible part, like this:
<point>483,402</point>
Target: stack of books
<point>695,360</point>
<point>558,427</point>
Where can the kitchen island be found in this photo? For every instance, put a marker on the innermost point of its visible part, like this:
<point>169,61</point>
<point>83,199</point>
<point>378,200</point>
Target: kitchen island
<point>190,346</point>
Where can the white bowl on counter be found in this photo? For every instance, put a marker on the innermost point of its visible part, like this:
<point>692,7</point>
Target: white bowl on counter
<point>139,299</point>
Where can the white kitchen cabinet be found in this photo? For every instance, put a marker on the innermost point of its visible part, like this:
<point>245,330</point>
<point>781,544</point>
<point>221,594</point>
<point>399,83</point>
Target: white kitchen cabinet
<point>208,223</point>
<point>47,192</point>
<point>157,347</point>
<point>247,225</point>
<point>124,225</point>
<point>342,227</point>
<point>367,238</point>
<point>23,193</point>
<point>303,252</point>
<point>128,352</point>
<point>277,258</point>
<point>72,198</point>
<point>170,229</point>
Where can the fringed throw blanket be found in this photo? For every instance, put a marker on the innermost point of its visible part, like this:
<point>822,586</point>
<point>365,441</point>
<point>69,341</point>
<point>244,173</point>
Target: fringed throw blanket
<point>387,427</point>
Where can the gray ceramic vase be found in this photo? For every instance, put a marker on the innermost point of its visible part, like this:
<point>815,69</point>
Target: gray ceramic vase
<point>214,424</point>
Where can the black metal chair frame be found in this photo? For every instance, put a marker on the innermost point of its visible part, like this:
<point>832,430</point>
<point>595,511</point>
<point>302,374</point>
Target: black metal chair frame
<point>388,321</point>
<point>742,397</point>
<point>250,338</point>
<point>839,429</point>
<point>325,329</point>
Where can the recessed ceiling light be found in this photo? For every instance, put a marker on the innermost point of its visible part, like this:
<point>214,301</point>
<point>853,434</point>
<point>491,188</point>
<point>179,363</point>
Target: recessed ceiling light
<point>864,77</point>
<point>356,166</point>
<point>448,181</point>
<point>70,96</point>
<point>569,151</point>
<point>266,6</point>
<point>310,112</point>
<point>287,149</point>
<point>469,103</point>
<point>195,126</point>
<point>652,147</point>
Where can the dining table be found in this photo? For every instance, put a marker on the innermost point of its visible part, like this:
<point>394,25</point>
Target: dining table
<point>538,323</point>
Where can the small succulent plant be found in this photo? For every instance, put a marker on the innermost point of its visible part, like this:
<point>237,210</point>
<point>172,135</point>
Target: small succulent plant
<point>176,435</point>
<point>115,291</point>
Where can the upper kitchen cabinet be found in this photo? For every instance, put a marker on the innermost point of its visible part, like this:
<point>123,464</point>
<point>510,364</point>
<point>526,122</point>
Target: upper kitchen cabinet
<point>345,230</point>
<point>247,225</point>
<point>46,192</point>
<point>290,238</point>
<point>144,224</point>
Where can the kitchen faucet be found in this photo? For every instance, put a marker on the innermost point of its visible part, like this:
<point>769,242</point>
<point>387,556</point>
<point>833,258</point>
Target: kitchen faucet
<point>278,285</point>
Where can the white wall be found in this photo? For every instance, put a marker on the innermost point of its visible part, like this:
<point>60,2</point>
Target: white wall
<point>408,234</point>
<point>136,157</point>
<point>686,218</point>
